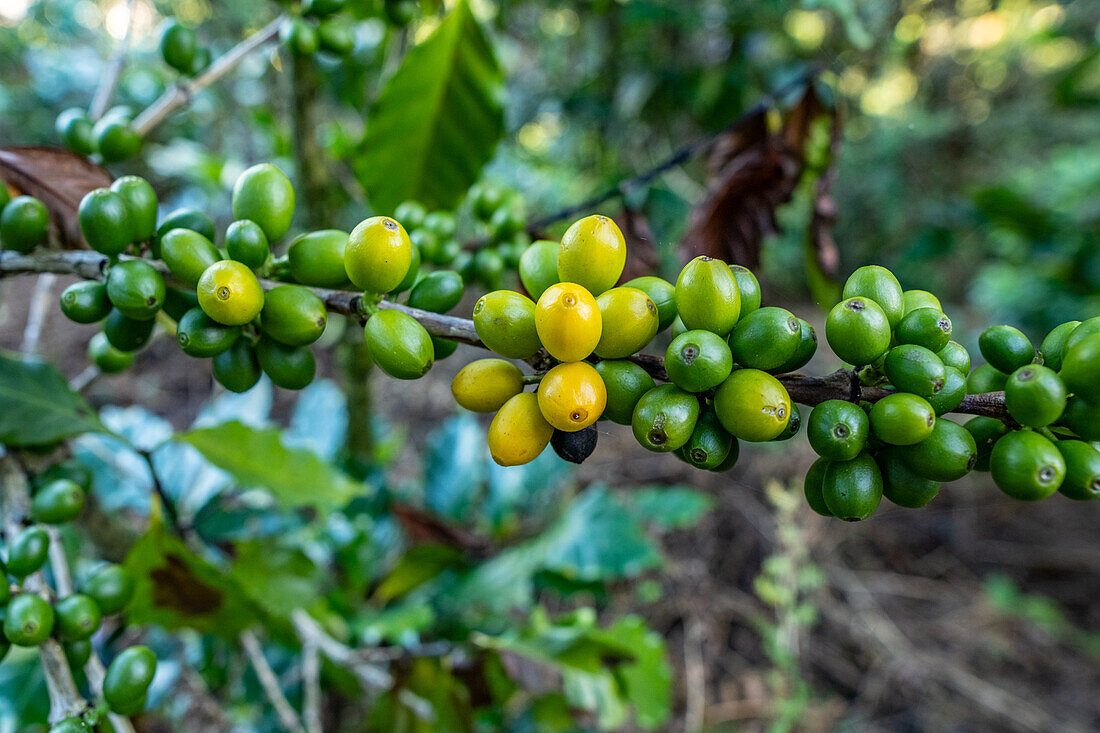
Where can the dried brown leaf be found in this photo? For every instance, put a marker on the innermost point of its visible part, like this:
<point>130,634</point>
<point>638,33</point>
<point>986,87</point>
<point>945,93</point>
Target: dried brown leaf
<point>57,178</point>
<point>752,170</point>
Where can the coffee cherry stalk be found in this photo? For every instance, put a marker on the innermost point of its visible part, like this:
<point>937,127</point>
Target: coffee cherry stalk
<point>726,376</point>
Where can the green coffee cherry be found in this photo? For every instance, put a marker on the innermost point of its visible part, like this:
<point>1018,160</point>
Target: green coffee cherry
<point>852,489</point>
<point>238,368</point>
<point>246,242</point>
<point>902,419</point>
<point>661,292</point>
<point>128,678</point>
<point>24,224</point>
<point>903,487</point>
<point>289,367</point>
<point>664,418</point>
<point>104,219</point>
<point>201,336</point>
<point>438,292</point>
<point>135,289</point>
<point>986,379</point>
<point>57,502</point>
<point>955,356</point>
<point>188,218</point>
<point>948,454</point>
<point>112,587</point>
<point>1006,348</point>
<point>85,302</point>
<point>814,487</point>
<point>293,315</point>
<point>106,357</point>
<point>986,431</point>
<point>951,395</point>
<point>28,620</point>
<point>927,327</point>
<point>698,360</point>
<point>1027,466</point>
<point>858,331</point>
<point>915,369</point>
<point>877,284</point>
<point>141,205</point>
<point>748,286</point>
<point>399,345</point>
<point>27,554</point>
<point>837,430</point>
<point>77,617</point>
<point>626,382</point>
<point>707,297</point>
<point>709,443</point>
<point>1035,396</point>
<point>766,338</point>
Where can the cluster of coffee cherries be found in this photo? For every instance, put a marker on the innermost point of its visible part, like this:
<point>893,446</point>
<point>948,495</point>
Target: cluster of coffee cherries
<point>578,316</point>
<point>32,614</point>
<point>320,26</point>
<point>902,447</point>
<point>498,216</point>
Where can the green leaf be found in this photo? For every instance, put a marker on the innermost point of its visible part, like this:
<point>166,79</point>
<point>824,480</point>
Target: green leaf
<point>437,121</point>
<point>37,407</point>
<point>296,477</point>
<point>670,507</point>
<point>177,589</point>
<point>278,579</point>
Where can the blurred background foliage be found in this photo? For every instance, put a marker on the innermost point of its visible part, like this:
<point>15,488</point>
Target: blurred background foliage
<point>968,162</point>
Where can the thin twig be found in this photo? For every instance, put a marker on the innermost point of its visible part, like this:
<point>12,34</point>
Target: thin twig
<point>181,94</point>
<point>311,682</point>
<point>65,699</point>
<point>109,80</point>
<point>255,653</point>
<point>36,314</point>
<point>806,390</point>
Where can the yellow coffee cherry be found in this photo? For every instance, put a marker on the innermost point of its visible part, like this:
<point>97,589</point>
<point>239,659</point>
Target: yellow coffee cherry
<point>592,253</point>
<point>631,320</point>
<point>229,293</point>
<point>519,432</point>
<point>572,396</point>
<point>568,321</point>
<point>486,384</point>
<point>378,254</point>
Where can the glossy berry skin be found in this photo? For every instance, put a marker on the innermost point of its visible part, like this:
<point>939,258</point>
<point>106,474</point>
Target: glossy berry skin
<point>707,297</point>
<point>709,444</point>
<point>128,677</point>
<point>141,206</point>
<point>568,321</point>
<point>438,291</point>
<point>767,338</point>
<point>592,254</point>
<point>85,302</point>
<point>263,194</point>
<point>27,554</point>
<point>749,288</point>
<point>572,396</point>
<point>927,327</point>
<point>28,620</point>
<point>24,223</point>
<point>187,254</point>
<point>1053,346</point>
<point>625,382</point>
<point>136,289</point>
<point>538,267</point>
<point>858,331</point>
<point>188,218</point>
<point>230,293</point>
<point>986,379</point>
<point>1082,417</point>
<point>246,243</point>
<point>317,258</point>
<point>289,367</point>
<point>902,419</point>
<point>1006,348</point>
<point>74,129</point>
<point>1086,328</point>
<point>1082,482</point>
<point>911,300</point>
<point>399,345</point>
<point>665,418</point>
<point>293,315</point>
<point>127,334</point>
<point>807,347</point>
<point>57,502</point>
<point>1081,367</point>
<point>955,356</point>
<point>813,487</point>
<point>1027,466</point>
<point>948,454</point>
<point>903,487</point>
<point>1035,396</point>
<point>112,587</point>
<point>951,395</point>
<point>115,139</point>
<point>753,405</point>
<point>238,367</point>
<point>837,430</point>
<point>505,323</point>
<point>519,433</point>
<point>201,336</point>
<point>486,384</point>
<point>698,360</point>
<point>915,369</point>
<point>575,446</point>
<point>77,617</point>
<point>663,295</point>
<point>880,285</point>
<point>631,319</point>
<point>852,489</point>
